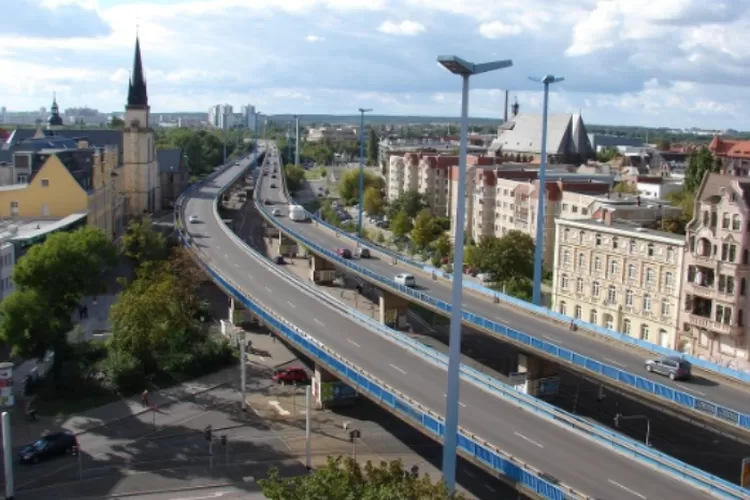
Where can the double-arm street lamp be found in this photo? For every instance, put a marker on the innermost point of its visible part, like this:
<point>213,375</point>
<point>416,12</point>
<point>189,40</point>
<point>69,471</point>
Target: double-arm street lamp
<point>255,133</point>
<point>540,225</point>
<point>465,70</point>
<point>361,190</point>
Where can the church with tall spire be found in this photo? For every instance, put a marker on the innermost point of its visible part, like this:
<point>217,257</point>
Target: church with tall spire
<point>140,165</point>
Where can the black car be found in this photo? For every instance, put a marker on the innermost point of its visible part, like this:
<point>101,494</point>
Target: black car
<point>49,446</point>
<point>266,201</point>
<point>279,259</point>
<point>273,186</point>
<point>273,176</point>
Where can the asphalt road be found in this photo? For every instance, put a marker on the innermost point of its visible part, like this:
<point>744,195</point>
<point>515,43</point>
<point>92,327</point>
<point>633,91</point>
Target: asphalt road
<point>571,458</point>
<point>725,394</point>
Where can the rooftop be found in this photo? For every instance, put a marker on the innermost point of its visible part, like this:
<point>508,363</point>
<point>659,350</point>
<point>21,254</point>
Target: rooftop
<point>624,228</point>
<point>20,230</point>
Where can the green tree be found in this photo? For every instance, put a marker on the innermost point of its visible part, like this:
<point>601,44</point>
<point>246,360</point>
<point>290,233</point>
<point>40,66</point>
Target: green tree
<point>511,256</point>
<point>373,200</point>
<point>373,146</point>
<point>443,246</point>
<point>410,201</point>
<point>423,232</point>
<point>663,145</point>
<point>295,177</point>
<point>142,243</point>
<point>27,326</point>
<point>700,162</point>
<point>518,287</point>
<point>401,224</point>
<point>625,188</point>
<point>344,479</point>
<point>349,185</point>
<point>608,154</point>
<point>116,122</point>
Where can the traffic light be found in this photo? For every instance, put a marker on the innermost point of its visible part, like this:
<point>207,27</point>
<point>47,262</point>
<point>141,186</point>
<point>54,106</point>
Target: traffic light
<point>224,440</point>
<point>207,432</point>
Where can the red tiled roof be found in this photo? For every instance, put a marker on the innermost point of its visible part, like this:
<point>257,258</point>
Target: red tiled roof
<point>730,148</point>
<point>4,134</point>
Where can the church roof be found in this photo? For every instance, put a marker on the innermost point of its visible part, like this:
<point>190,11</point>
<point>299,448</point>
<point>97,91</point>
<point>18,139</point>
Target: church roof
<point>170,160</point>
<point>137,92</point>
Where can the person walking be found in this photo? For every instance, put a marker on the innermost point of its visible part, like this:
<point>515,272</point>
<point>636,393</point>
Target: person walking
<point>144,398</point>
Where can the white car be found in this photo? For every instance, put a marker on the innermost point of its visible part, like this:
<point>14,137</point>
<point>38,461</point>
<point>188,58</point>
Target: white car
<point>193,218</point>
<point>276,212</point>
<point>405,280</point>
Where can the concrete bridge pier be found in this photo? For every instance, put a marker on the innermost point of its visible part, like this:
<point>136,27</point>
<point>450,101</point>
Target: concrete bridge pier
<point>536,376</point>
<point>393,310</point>
<point>322,272</point>
<point>321,379</point>
<point>286,246</point>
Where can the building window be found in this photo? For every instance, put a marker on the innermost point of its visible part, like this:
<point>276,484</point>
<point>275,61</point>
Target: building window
<point>598,239</point>
<point>566,234</point>
<point>650,276</point>
<point>13,208</point>
<point>670,254</point>
<point>644,332</point>
<point>669,281</point>
<point>566,257</point>
<point>614,269</point>
<point>631,271</point>
<point>581,260</point>
<point>563,308</point>
<point>614,242</point>
<point>629,298</point>
<point>647,303</point>
<point>665,307</point>
<point>45,183</point>
<point>726,284</point>
<point>632,247</point>
<point>595,289</point>
<point>650,249</point>
<point>594,320</point>
<point>609,322</point>
<point>580,237</point>
<point>578,312</point>
<point>703,338</point>
<point>735,223</point>
<point>598,264</point>
<point>723,314</point>
<point>725,221</point>
<point>564,282</point>
<point>612,294</point>
<point>626,327</point>
<point>579,285</point>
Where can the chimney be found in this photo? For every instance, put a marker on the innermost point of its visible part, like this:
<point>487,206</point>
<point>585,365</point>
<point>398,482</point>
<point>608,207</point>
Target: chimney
<point>515,107</point>
<point>505,116</point>
<point>608,217</point>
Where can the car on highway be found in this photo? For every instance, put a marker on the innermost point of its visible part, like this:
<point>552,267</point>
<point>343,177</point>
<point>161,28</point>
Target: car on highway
<point>344,253</point>
<point>362,252</point>
<point>266,201</point>
<point>673,367</point>
<point>49,446</point>
<point>273,185</point>
<point>405,280</point>
<point>276,212</point>
<point>265,174</point>
<point>279,259</point>
<point>294,375</point>
<point>193,218</point>
<point>273,176</point>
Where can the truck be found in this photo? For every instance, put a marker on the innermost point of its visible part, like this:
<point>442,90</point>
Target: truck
<point>297,213</point>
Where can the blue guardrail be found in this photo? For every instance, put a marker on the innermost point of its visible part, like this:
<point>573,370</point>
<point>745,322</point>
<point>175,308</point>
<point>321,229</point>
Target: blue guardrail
<point>613,373</point>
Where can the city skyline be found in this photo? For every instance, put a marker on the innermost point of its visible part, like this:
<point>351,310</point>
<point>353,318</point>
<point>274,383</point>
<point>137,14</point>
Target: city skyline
<point>628,63</point>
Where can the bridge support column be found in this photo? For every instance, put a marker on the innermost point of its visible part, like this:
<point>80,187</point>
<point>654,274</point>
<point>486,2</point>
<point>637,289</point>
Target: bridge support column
<point>393,310</point>
<point>269,230</point>
<point>536,376</point>
<point>321,378</point>
<point>321,271</point>
<point>286,246</point>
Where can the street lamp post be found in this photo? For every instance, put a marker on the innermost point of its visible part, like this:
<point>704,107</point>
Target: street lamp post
<point>255,133</point>
<point>289,141</point>
<point>296,139</point>
<point>464,69</point>
<point>362,112</point>
<point>620,416</point>
<point>539,244</point>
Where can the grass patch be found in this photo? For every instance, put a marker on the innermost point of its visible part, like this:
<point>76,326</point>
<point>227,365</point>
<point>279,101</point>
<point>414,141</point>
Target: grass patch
<point>316,173</point>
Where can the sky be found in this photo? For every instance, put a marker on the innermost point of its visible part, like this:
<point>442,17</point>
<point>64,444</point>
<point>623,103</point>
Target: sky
<point>673,63</point>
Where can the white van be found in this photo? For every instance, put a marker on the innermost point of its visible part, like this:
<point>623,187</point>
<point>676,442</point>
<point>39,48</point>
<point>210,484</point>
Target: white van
<point>297,213</point>
<point>405,280</point>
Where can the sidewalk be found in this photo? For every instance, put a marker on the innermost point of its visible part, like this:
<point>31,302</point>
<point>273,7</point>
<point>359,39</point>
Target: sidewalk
<point>24,432</point>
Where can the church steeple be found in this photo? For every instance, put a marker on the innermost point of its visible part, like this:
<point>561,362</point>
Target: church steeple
<point>137,93</point>
<point>54,120</point>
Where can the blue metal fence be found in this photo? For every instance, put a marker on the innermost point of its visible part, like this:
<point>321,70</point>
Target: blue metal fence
<point>545,312</point>
<point>702,406</point>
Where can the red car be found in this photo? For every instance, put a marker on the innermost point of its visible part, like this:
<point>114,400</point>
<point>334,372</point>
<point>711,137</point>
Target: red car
<point>291,376</point>
<point>344,253</point>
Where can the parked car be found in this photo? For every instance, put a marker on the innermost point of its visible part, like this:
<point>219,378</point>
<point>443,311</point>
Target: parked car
<point>405,280</point>
<point>276,212</point>
<point>673,367</point>
<point>193,218</point>
<point>293,375</point>
<point>266,201</point>
<point>49,446</point>
<point>344,253</point>
<point>273,176</point>
<point>273,185</point>
<point>363,253</point>
<point>279,259</point>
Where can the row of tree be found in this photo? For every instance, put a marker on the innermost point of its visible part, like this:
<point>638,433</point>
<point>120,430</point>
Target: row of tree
<point>203,149</point>
<point>323,152</point>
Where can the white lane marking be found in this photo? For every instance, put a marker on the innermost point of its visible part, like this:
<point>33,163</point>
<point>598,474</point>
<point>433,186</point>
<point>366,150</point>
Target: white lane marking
<point>556,341</point>
<point>278,407</point>
<point>460,403</point>
<point>291,304</point>
<point>353,342</point>
<point>493,490</point>
<point>218,494</point>
<point>686,388</point>
<point>250,276</point>
<point>397,368</point>
<point>318,321</point>
<point>626,489</point>
<point>528,439</point>
<point>268,290</point>
<point>616,363</point>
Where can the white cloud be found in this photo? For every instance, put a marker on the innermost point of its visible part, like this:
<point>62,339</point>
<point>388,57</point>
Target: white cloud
<point>314,38</point>
<point>498,29</point>
<point>404,28</point>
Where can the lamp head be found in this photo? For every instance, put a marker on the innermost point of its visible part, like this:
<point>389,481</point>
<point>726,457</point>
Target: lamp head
<point>546,79</point>
<point>456,65</point>
<point>364,110</point>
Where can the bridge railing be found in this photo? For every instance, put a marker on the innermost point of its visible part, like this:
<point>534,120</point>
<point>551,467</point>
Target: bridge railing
<point>513,469</point>
<point>550,314</point>
<point>615,374</point>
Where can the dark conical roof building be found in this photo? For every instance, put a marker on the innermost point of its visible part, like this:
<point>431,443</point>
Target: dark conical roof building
<point>137,92</point>
<point>54,120</point>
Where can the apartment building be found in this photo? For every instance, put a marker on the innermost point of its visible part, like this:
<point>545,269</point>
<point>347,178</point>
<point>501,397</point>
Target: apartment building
<point>733,155</point>
<point>619,276</point>
<point>716,272</point>
<point>333,134</point>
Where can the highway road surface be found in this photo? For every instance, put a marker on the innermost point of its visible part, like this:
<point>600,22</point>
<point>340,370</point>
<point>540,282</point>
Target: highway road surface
<point>729,395</point>
<point>570,457</point>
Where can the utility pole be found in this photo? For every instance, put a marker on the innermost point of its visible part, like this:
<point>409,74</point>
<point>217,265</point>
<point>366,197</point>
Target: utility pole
<point>243,373</point>
<point>296,140</point>
<point>308,405</point>
<point>8,456</point>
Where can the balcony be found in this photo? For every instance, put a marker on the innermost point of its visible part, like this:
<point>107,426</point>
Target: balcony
<point>709,324</point>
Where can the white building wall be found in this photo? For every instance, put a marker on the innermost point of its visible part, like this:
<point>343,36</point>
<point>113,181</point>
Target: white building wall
<point>7,263</point>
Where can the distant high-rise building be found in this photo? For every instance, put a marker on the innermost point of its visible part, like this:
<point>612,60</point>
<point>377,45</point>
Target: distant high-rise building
<point>225,116</point>
<point>213,115</point>
<point>248,116</point>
